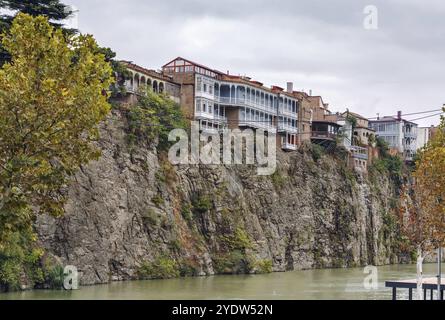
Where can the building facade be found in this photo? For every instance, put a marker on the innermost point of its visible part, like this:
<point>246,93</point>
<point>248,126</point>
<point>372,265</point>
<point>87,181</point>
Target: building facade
<point>219,100</point>
<point>400,134</point>
<point>362,134</point>
<point>141,78</point>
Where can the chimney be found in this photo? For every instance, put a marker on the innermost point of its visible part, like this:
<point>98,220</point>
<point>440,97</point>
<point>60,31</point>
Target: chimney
<point>399,115</point>
<point>310,92</point>
<point>290,87</point>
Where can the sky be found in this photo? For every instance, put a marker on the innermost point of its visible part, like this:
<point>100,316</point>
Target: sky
<point>394,63</point>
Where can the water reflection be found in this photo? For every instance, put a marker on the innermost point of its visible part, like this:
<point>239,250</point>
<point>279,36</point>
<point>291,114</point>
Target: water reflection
<point>301,285</point>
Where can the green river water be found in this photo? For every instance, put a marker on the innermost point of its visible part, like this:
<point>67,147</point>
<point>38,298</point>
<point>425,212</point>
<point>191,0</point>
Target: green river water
<point>299,285</point>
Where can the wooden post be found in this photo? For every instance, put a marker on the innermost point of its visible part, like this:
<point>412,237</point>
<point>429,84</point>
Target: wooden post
<point>410,295</point>
<point>394,293</point>
<point>432,294</point>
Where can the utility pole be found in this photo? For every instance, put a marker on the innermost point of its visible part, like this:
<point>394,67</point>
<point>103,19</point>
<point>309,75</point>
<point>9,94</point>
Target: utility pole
<point>439,273</point>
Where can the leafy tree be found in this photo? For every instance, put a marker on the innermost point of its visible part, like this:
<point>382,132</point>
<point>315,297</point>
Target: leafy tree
<point>154,117</point>
<point>54,10</point>
<point>423,218</point>
<point>52,96</point>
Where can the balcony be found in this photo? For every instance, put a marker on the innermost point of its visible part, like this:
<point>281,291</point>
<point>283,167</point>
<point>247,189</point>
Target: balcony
<point>220,118</point>
<point>129,88</point>
<point>284,127</point>
<point>210,116</point>
<point>409,134</point>
<point>258,125</point>
<point>206,95</point>
<point>286,112</point>
<point>289,147</point>
<point>242,102</point>
<point>359,152</point>
<point>323,135</point>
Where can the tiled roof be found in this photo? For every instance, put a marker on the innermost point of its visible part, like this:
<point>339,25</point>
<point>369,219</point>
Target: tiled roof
<point>194,63</point>
<point>147,72</point>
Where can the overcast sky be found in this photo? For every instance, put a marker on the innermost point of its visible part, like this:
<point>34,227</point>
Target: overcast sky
<point>318,44</point>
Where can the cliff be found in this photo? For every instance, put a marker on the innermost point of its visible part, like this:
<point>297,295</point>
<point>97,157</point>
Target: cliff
<point>131,214</point>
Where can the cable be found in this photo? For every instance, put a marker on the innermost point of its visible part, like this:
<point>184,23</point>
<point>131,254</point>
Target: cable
<point>434,115</point>
<point>408,114</point>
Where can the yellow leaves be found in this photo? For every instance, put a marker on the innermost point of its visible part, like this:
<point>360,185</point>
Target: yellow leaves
<point>50,104</point>
<point>429,192</point>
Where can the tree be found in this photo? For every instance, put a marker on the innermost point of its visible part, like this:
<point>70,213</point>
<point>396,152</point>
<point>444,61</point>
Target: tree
<point>52,96</point>
<point>154,116</point>
<point>54,10</point>
<point>423,217</point>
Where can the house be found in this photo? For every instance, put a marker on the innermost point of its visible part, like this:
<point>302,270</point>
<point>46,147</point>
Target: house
<point>400,134</point>
<point>325,127</point>
<point>305,117</point>
<point>218,100</point>
<point>424,135</point>
<point>362,134</point>
<point>355,138</point>
<point>140,77</point>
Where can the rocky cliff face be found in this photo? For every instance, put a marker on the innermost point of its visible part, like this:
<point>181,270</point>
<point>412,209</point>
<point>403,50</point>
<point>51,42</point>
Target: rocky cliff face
<point>131,208</point>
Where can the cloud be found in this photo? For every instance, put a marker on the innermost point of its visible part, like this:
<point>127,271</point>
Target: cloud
<point>319,45</point>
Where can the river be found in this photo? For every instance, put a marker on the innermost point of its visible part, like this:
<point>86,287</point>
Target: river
<point>305,285</point>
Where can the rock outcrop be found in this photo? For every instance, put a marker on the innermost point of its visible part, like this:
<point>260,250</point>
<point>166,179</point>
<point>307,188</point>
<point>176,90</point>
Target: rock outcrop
<point>131,207</point>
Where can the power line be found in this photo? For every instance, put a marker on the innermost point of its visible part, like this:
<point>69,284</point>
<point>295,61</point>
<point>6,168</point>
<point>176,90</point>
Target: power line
<point>408,114</point>
<point>434,115</point>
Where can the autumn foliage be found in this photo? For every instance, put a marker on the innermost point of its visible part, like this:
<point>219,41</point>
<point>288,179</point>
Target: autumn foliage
<point>53,94</point>
<point>423,216</point>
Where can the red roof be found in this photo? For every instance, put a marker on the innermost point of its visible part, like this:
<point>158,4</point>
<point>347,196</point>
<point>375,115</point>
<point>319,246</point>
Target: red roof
<point>277,88</point>
<point>145,71</point>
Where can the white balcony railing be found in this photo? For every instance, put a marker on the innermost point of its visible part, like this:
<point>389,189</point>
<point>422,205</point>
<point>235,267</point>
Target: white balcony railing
<point>210,116</point>
<point>258,125</point>
<point>359,152</point>
<point>288,146</point>
<point>242,102</point>
<point>284,127</point>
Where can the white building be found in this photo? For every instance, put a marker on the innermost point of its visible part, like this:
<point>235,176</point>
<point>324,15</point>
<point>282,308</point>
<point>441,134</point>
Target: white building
<point>400,134</point>
<point>217,100</point>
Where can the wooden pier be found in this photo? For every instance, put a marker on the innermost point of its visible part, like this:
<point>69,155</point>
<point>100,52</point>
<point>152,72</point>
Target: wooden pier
<point>429,285</point>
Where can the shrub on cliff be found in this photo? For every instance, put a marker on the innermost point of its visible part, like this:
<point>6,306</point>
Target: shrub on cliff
<point>161,268</point>
<point>154,117</point>
<point>52,96</point>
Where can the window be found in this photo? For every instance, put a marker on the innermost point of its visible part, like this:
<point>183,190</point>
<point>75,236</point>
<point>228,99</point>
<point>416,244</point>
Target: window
<point>210,89</point>
<point>198,106</point>
<point>204,107</point>
<point>205,87</point>
<point>198,84</point>
<point>210,109</point>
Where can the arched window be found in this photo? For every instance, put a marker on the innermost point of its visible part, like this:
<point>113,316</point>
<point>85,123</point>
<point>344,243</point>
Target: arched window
<point>155,86</point>
<point>136,82</point>
<point>161,87</point>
